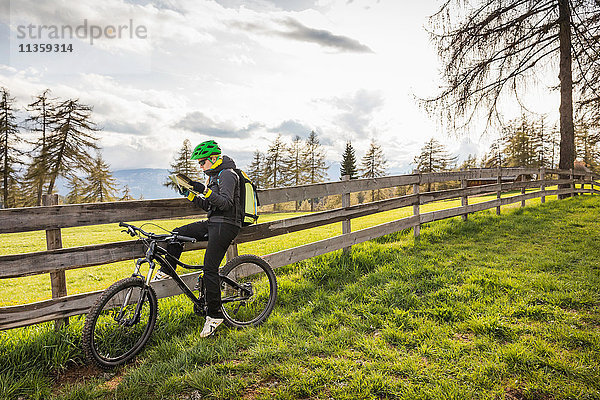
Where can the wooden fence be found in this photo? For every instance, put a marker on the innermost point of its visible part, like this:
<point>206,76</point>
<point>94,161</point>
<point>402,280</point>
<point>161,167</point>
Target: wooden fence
<point>55,260</point>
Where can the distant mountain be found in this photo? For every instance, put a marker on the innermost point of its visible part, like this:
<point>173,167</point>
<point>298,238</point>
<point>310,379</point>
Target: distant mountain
<point>145,181</point>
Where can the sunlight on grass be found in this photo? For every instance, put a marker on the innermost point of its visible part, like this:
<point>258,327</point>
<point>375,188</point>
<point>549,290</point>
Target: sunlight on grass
<point>36,288</point>
<point>495,307</point>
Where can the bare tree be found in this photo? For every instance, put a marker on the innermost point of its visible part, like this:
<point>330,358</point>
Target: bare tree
<point>10,154</point>
<point>491,48</point>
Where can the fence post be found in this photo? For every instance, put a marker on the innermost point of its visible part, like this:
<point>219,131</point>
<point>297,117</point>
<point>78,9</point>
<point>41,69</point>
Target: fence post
<point>543,185</point>
<point>346,225</point>
<point>499,192</point>
<point>572,178</point>
<point>523,190</point>
<point>416,208</point>
<point>464,200</point>
<point>58,281</point>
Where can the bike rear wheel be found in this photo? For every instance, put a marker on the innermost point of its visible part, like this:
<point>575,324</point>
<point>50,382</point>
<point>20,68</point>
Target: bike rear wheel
<point>119,323</point>
<point>251,304</point>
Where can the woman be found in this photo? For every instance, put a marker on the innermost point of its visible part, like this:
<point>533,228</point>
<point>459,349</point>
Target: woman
<point>221,201</point>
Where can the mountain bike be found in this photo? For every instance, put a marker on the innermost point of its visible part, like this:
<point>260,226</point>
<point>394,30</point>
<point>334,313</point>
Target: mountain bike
<point>119,324</point>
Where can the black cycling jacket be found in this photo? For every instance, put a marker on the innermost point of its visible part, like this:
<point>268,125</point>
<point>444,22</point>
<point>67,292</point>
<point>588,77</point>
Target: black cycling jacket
<point>222,202</point>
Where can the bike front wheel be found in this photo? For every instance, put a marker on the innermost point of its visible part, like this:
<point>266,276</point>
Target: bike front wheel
<point>119,323</point>
<point>249,299</point>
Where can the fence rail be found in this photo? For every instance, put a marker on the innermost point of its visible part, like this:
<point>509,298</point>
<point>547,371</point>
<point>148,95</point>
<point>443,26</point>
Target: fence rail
<point>57,260</point>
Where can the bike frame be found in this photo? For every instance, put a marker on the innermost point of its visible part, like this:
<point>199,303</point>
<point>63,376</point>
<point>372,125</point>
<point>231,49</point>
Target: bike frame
<point>165,260</point>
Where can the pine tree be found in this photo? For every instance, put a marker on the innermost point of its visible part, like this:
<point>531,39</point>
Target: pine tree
<point>10,154</point>
<point>522,146</point>
<point>314,156</point>
<point>587,145</point>
<point>348,166</point>
<point>469,163</point>
<point>127,194</point>
<point>183,164</point>
<point>41,122</point>
<point>274,172</point>
<point>494,158</point>
<point>490,49</point>
<point>434,158</point>
<point>255,169</point>
<point>374,164</point>
<point>69,144</point>
<point>100,185</point>
<point>295,164</point>
<point>76,188</point>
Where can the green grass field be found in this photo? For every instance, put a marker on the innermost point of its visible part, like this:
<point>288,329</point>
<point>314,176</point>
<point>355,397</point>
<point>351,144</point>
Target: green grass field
<point>493,308</point>
<point>36,288</point>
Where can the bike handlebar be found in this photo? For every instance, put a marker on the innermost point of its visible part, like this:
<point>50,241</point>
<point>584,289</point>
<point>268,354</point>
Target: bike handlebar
<point>132,229</point>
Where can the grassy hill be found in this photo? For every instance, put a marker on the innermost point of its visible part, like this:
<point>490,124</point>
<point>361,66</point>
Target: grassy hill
<point>497,307</point>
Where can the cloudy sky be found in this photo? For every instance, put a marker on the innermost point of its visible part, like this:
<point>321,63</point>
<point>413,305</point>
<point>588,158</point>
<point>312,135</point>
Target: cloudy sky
<point>240,72</point>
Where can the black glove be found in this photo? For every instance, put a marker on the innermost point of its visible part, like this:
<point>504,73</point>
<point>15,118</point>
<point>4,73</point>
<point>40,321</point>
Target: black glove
<point>182,191</point>
<point>198,187</point>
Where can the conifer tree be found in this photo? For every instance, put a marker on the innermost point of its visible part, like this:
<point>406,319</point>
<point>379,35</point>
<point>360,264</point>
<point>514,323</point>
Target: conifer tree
<point>522,145</point>
<point>100,185</point>
<point>587,145</point>
<point>491,49</point>
<point>314,156</point>
<point>494,158</point>
<point>10,154</point>
<point>76,190</point>
<point>296,165</point>
<point>348,166</point>
<point>296,169</point>
<point>469,163</point>
<point>374,164</point>
<point>274,172</point>
<point>255,169</point>
<point>434,158</point>
<point>127,194</point>
<point>40,121</point>
<point>70,142</point>
<point>183,164</point>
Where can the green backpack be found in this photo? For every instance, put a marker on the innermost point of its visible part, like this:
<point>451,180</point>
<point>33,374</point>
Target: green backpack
<point>248,198</point>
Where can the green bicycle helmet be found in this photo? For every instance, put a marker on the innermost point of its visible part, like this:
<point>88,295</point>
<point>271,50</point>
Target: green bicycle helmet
<point>205,150</point>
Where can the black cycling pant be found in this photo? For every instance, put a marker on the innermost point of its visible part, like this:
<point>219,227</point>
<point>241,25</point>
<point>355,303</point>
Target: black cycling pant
<point>220,236</point>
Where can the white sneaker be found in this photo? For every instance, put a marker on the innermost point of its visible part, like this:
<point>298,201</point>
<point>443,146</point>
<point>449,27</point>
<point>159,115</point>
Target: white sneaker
<point>159,275</point>
<point>210,326</point>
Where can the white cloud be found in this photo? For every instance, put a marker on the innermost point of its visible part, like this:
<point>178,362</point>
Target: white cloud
<point>347,69</point>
